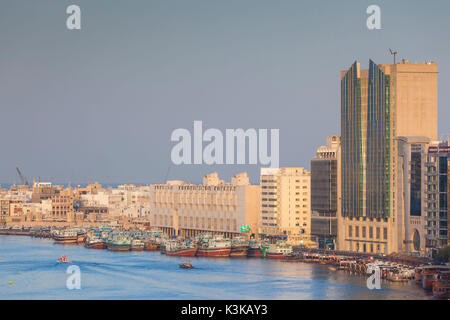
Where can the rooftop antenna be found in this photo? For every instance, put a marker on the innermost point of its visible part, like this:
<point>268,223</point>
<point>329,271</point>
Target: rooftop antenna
<point>167,175</point>
<point>394,53</point>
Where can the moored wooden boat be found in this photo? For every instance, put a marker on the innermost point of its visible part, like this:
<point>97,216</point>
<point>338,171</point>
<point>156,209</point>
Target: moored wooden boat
<point>214,247</point>
<point>281,250</point>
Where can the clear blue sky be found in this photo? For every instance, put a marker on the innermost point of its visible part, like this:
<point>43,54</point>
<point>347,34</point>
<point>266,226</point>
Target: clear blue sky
<point>100,104</point>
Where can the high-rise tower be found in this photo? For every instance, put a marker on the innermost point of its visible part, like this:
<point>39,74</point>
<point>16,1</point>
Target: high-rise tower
<point>377,105</point>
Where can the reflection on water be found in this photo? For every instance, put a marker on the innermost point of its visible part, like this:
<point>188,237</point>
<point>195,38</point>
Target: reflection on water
<point>30,264</point>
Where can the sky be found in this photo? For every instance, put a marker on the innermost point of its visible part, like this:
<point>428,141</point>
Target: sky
<point>101,103</point>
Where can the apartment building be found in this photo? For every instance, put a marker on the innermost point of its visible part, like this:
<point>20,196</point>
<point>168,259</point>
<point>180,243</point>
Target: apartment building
<point>286,203</point>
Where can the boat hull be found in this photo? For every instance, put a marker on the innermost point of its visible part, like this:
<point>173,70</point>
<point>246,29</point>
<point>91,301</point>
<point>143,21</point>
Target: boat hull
<point>119,247</point>
<point>254,252</point>
<point>97,245</point>
<point>64,240</point>
<point>214,252</point>
<point>279,256</point>
<point>238,251</point>
<point>188,252</point>
<point>151,246</point>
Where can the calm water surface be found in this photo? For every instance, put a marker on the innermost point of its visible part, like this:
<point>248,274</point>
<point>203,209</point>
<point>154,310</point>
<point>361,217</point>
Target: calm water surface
<point>30,264</point>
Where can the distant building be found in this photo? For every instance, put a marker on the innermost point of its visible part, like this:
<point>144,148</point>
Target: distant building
<point>286,203</point>
<point>43,190</point>
<point>93,188</point>
<point>185,209</point>
<point>4,210</point>
<point>324,193</point>
<point>437,183</point>
<point>93,213</point>
<point>63,206</point>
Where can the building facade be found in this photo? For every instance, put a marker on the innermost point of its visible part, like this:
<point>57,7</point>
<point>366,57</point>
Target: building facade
<point>377,105</point>
<point>4,210</point>
<point>437,190</point>
<point>324,201</point>
<point>185,209</point>
<point>411,190</point>
<point>63,205</point>
<point>286,203</point>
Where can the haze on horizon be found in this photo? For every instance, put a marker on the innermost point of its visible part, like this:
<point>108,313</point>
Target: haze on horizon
<point>100,104</point>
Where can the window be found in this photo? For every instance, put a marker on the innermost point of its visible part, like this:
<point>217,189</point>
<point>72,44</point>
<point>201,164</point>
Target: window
<point>443,165</point>
<point>385,234</point>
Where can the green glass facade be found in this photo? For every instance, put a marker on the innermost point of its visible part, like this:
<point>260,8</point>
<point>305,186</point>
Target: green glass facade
<point>377,134</point>
<point>378,144</point>
<point>351,144</point>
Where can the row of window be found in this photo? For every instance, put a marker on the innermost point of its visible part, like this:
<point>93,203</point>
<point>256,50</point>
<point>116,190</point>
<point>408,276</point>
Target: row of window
<point>364,233</point>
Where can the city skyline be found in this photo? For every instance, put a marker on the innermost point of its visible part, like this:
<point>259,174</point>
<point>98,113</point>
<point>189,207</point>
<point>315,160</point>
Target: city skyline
<point>211,151</point>
<point>99,105</point>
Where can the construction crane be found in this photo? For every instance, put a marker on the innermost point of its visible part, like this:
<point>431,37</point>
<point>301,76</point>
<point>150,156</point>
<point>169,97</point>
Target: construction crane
<point>394,53</point>
<point>22,178</point>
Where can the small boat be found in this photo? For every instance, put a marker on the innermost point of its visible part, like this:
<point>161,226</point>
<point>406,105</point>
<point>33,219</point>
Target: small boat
<point>186,266</point>
<point>63,259</point>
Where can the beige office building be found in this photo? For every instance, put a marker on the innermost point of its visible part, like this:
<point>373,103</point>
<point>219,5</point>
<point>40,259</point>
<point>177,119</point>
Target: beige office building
<point>286,203</point>
<point>181,208</point>
<point>377,106</point>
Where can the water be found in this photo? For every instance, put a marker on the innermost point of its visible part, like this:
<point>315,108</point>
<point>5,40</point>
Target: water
<point>30,264</point>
